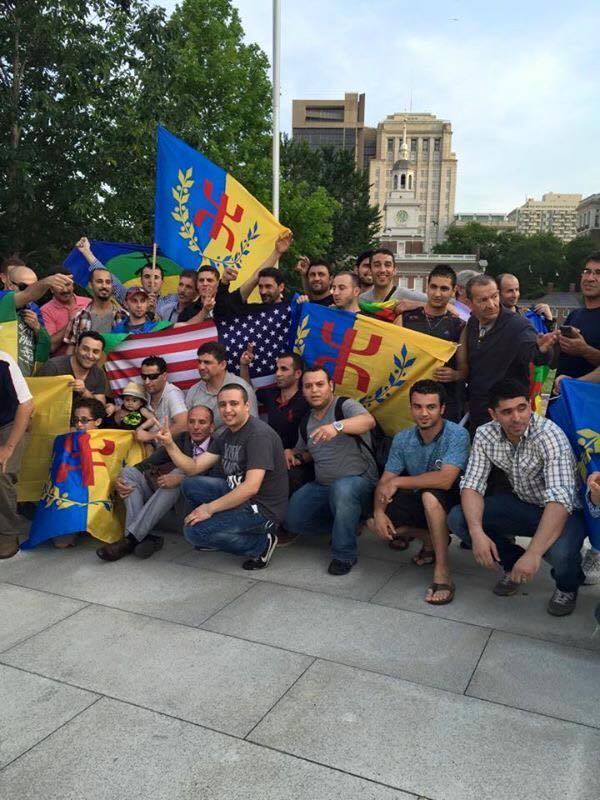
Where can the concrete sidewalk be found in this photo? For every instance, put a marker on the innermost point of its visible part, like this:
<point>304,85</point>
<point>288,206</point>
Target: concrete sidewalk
<point>183,677</point>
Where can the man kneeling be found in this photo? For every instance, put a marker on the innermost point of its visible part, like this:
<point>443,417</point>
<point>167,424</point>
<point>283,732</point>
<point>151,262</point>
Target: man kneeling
<point>241,513</point>
<point>433,453</point>
<point>543,506</point>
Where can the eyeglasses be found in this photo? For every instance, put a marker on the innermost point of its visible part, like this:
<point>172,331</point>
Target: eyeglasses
<point>81,420</point>
<point>20,286</point>
<point>153,377</point>
<point>587,271</point>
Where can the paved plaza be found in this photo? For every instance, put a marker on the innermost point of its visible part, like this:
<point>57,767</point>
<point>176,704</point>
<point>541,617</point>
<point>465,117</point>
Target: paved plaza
<point>184,677</point>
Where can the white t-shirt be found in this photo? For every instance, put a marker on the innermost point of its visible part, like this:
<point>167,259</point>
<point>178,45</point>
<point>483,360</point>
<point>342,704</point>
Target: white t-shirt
<point>400,293</point>
<point>19,382</point>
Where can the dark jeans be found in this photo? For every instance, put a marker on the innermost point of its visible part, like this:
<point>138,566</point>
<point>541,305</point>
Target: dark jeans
<point>505,515</point>
<point>242,530</point>
<point>336,509</point>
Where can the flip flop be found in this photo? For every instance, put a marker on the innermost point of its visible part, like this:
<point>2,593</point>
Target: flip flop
<point>441,587</point>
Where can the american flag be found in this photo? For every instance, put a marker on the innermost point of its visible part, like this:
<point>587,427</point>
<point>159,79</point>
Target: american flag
<point>267,326</point>
<point>177,346</point>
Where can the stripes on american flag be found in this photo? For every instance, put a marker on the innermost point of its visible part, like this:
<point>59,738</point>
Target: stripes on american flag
<point>177,346</point>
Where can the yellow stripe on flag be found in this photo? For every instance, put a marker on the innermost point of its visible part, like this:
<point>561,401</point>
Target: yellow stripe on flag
<point>8,338</point>
<point>104,523</point>
<point>52,399</point>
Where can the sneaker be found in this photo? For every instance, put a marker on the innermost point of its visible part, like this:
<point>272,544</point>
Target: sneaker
<point>9,546</point>
<point>591,566</point>
<point>116,550</point>
<point>505,587</point>
<point>562,603</point>
<point>340,567</point>
<point>263,560</point>
<point>148,546</point>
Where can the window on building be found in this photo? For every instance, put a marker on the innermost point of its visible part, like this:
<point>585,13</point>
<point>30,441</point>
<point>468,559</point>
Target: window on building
<point>597,219</point>
<point>413,145</point>
<point>410,182</point>
<point>437,144</point>
<point>425,146</point>
<point>395,181</point>
<point>403,181</point>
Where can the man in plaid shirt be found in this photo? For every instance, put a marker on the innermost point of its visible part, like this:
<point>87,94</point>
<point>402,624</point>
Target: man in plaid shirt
<point>101,315</point>
<point>537,459</point>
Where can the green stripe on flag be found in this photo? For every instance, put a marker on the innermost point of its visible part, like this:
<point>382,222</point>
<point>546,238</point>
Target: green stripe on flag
<point>112,340</point>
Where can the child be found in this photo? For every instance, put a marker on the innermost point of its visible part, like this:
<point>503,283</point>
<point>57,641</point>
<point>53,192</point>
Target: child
<point>133,412</point>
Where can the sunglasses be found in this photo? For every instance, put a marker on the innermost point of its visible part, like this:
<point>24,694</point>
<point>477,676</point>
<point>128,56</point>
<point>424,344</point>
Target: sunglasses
<point>153,377</point>
<point>21,286</point>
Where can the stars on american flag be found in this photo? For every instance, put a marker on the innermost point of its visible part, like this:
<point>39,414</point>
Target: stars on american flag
<point>267,327</point>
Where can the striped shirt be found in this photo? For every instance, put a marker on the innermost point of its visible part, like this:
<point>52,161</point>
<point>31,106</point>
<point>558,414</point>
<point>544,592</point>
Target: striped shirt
<point>541,468</point>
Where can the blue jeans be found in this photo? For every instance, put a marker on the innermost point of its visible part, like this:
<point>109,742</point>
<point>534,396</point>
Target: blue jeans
<point>240,530</point>
<point>335,509</point>
<point>505,515</point>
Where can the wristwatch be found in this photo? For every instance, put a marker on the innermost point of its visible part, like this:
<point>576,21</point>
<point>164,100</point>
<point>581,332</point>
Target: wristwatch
<point>338,425</point>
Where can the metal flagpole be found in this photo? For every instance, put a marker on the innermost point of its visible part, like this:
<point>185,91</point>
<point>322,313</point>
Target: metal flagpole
<point>276,101</point>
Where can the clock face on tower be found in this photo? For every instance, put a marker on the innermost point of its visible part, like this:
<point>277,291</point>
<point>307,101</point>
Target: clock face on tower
<point>401,216</point>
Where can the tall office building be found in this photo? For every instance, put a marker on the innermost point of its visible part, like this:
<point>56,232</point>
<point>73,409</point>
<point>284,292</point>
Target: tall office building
<point>340,123</point>
<point>554,213</point>
<point>418,147</point>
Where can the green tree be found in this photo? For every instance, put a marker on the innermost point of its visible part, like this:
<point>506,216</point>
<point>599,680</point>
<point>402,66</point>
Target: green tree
<point>82,87</point>
<point>355,223</point>
<point>576,251</point>
<point>309,213</point>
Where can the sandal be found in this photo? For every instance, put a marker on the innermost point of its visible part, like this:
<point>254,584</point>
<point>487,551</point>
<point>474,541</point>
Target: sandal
<point>441,587</point>
<point>424,557</point>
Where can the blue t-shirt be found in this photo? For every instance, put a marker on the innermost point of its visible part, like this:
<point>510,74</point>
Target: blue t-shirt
<point>31,306</point>
<point>123,327</point>
<point>409,453</point>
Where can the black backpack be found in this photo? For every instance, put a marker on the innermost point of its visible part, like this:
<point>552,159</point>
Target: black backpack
<point>380,443</point>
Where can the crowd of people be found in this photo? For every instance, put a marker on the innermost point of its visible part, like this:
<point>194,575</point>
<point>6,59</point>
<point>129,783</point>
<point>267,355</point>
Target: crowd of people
<point>478,463</point>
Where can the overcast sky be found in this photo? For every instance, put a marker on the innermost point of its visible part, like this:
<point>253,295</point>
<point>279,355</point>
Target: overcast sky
<point>518,80</point>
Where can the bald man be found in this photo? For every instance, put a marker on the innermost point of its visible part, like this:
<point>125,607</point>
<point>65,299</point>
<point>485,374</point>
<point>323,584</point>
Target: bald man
<point>15,276</point>
<point>510,292</point>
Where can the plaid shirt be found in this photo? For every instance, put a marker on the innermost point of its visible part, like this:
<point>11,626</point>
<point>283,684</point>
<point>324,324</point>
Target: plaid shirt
<point>541,468</point>
<point>82,321</point>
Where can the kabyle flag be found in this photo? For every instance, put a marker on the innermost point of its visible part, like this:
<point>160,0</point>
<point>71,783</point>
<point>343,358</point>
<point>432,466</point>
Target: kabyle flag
<point>204,216</point>
<point>577,411</point>
<point>369,360</point>
<point>124,261</point>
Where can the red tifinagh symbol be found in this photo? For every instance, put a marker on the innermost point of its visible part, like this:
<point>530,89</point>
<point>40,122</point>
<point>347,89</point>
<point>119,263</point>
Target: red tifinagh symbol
<point>345,350</point>
<point>87,457</point>
<point>219,216</point>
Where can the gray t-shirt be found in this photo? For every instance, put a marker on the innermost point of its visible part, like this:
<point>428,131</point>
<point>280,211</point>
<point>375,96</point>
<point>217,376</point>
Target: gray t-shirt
<point>95,381</point>
<point>400,293</point>
<point>342,456</point>
<point>199,395</point>
<point>102,323</point>
<point>255,446</point>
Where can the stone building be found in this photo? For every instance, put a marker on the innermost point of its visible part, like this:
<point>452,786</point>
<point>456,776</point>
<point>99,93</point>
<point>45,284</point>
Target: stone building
<point>554,213</point>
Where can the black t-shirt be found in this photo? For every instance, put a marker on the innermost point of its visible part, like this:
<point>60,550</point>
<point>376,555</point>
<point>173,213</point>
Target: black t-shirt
<point>283,418</point>
<point>324,301</point>
<point>255,446</point>
<point>588,322</point>
<point>448,327</point>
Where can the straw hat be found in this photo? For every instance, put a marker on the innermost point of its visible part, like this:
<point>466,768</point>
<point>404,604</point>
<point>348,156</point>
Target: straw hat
<point>135,390</point>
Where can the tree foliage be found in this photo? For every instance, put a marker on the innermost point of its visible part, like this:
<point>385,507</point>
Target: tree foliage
<point>355,223</point>
<point>536,260</point>
<point>82,87</point>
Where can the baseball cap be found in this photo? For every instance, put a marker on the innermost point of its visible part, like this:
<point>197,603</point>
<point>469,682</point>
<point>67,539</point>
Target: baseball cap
<point>133,290</point>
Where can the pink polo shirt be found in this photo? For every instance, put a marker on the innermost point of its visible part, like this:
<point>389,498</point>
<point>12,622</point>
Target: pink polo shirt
<point>56,315</point>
